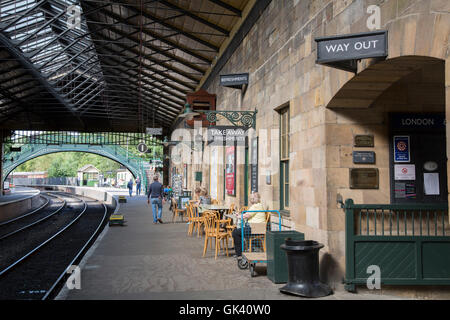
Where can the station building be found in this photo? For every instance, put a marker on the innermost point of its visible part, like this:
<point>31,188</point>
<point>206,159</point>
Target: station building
<point>374,133</point>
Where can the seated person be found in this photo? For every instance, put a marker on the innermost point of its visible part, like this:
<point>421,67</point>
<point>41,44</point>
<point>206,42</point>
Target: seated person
<point>204,198</point>
<point>197,193</point>
<point>251,217</point>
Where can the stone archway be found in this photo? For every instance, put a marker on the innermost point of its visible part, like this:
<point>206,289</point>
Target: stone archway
<point>413,84</point>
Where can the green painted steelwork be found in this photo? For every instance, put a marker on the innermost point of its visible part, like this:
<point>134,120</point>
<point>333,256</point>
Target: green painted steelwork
<point>237,118</point>
<point>410,243</point>
<point>72,137</point>
<point>136,165</point>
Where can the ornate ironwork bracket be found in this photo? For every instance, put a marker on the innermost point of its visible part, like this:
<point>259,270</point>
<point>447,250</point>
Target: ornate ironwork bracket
<point>238,118</point>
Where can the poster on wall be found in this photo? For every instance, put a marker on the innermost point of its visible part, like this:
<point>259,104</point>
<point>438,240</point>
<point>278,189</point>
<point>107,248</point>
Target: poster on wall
<point>214,173</point>
<point>401,149</point>
<point>405,190</point>
<point>230,170</point>
<point>431,183</point>
<point>405,172</point>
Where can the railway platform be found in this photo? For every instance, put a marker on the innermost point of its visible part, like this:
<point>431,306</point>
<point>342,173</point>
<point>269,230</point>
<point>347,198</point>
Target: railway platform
<point>17,194</point>
<point>20,201</point>
<point>146,261</point>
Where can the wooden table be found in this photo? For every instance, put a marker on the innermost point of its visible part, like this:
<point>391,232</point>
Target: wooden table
<point>214,207</point>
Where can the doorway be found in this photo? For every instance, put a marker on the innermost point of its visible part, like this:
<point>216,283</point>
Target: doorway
<point>418,160</point>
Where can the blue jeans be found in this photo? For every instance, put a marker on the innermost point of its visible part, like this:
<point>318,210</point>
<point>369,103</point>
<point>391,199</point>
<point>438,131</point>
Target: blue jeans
<point>156,207</point>
<point>138,190</point>
<point>130,191</point>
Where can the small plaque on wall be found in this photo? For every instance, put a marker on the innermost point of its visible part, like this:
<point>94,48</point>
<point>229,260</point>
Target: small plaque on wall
<point>363,140</point>
<point>364,178</point>
<point>364,157</point>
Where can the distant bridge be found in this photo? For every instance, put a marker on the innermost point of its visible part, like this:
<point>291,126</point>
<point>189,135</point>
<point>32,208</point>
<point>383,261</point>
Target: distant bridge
<point>137,166</point>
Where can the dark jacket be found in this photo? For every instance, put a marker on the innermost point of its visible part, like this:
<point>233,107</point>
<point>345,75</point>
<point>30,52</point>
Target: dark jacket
<point>155,190</point>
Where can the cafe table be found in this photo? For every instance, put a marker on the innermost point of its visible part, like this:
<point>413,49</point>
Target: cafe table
<point>216,207</point>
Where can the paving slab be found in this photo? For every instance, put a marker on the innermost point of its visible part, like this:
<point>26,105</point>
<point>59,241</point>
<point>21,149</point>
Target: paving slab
<point>144,261</point>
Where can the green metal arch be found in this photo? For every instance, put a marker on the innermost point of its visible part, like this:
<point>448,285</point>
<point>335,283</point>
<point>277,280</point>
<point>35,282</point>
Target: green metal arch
<point>116,153</point>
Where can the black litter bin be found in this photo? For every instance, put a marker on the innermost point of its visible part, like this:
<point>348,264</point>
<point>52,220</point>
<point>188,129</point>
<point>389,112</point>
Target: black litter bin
<point>277,266</point>
<point>303,266</point>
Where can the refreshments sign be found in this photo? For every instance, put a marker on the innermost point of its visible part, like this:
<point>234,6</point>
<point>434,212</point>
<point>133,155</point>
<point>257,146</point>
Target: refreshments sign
<point>234,80</point>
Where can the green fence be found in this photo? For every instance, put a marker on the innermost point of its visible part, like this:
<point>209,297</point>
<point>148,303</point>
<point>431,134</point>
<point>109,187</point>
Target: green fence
<point>410,243</point>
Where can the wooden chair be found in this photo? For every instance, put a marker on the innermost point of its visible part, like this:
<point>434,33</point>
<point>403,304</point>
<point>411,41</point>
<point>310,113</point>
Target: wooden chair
<point>213,231</point>
<point>215,201</point>
<point>230,227</point>
<point>231,210</point>
<point>209,218</point>
<point>198,220</point>
<point>177,211</point>
<point>259,234</point>
<point>194,219</point>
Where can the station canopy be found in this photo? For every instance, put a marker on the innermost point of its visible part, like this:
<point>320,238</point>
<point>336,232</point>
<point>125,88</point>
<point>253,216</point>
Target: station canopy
<point>99,65</point>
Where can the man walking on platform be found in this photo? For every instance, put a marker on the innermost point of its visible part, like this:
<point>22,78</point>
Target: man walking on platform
<point>138,187</point>
<point>155,195</point>
<point>130,186</point>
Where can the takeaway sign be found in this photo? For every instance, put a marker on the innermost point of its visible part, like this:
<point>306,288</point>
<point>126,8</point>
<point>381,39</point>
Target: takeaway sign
<point>344,51</point>
<point>226,135</point>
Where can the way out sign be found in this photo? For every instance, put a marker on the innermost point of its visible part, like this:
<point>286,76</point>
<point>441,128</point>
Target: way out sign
<point>343,51</point>
<point>142,147</point>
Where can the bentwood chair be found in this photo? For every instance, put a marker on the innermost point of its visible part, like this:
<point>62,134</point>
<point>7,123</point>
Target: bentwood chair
<point>194,219</point>
<point>209,220</point>
<point>230,227</point>
<point>213,231</point>
<point>221,236</point>
<point>260,238</point>
<point>176,211</point>
<point>198,218</point>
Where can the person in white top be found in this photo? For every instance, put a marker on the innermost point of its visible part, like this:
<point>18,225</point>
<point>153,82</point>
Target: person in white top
<point>251,217</point>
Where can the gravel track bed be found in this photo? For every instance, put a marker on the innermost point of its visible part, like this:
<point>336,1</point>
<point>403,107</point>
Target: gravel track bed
<point>32,278</point>
<point>51,207</point>
<point>15,246</point>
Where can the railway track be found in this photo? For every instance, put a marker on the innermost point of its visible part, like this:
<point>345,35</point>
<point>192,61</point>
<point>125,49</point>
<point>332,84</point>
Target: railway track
<point>53,204</point>
<point>37,251</point>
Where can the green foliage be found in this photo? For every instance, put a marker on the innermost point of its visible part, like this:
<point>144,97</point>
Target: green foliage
<point>66,164</point>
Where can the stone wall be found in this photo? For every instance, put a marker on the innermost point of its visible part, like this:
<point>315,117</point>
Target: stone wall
<point>279,53</point>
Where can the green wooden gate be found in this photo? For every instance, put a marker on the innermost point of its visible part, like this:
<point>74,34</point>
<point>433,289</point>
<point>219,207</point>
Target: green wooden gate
<point>410,243</point>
